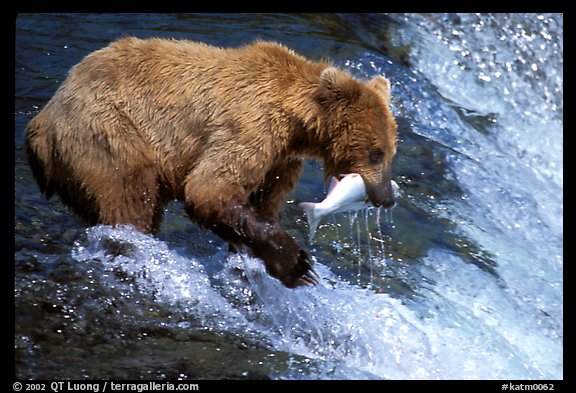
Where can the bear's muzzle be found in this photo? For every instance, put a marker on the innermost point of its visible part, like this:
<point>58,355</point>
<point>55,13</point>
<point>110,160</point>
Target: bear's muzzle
<point>381,193</point>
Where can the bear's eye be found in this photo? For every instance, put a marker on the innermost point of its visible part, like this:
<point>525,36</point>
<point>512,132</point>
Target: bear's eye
<point>375,156</point>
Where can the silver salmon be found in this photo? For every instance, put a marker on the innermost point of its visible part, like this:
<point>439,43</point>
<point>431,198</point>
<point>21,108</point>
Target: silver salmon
<point>347,194</point>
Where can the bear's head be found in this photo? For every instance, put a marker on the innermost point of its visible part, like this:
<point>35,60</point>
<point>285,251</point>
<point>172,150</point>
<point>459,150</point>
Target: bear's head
<point>359,131</point>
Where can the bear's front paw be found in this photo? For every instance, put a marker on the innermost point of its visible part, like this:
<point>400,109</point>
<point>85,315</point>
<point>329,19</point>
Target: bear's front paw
<point>302,273</point>
<point>285,260</point>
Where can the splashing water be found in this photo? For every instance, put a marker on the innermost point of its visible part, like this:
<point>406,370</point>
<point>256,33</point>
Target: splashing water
<point>157,271</point>
<point>351,331</point>
<point>330,322</point>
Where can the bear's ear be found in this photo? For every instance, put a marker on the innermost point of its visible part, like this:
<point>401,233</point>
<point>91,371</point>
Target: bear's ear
<point>382,86</point>
<point>337,86</point>
<point>328,76</point>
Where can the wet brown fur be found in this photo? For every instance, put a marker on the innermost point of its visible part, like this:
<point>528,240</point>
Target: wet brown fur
<point>141,122</point>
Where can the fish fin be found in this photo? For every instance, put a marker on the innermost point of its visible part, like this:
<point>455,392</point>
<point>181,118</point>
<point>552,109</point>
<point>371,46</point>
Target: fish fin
<point>313,221</point>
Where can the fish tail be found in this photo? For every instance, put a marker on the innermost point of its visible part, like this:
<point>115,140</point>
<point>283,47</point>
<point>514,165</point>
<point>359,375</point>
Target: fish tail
<point>313,220</point>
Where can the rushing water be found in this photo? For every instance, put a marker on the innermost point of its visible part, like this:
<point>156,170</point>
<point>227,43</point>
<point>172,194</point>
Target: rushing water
<point>463,279</point>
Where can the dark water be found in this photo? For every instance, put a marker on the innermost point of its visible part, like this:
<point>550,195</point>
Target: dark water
<point>462,279</point>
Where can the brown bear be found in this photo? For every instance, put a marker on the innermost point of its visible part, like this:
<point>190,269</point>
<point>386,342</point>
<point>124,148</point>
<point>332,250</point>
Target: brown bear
<point>142,122</point>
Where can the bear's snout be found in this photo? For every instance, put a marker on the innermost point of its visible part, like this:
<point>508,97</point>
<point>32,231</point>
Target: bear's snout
<point>381,194</point>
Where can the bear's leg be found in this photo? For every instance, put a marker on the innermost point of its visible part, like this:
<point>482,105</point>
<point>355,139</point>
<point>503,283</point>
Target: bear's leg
<point>223,209</point>
<point>136,198</point>
<point>96,159</point>
<point>278,182</point>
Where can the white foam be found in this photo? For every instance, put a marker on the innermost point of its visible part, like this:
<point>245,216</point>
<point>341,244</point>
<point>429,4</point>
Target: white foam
<point>160,272</point>
<point>456,332</point>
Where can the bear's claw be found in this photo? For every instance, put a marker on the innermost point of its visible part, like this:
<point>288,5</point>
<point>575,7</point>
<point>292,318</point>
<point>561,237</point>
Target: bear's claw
<point>302,273</point>
<point>310,278</point>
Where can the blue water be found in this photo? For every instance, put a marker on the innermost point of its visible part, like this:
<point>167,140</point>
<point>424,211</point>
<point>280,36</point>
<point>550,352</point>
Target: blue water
<point>463,279</point>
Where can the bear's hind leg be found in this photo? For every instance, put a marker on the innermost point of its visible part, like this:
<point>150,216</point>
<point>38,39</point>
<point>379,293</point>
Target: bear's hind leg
<point>137,198</point>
